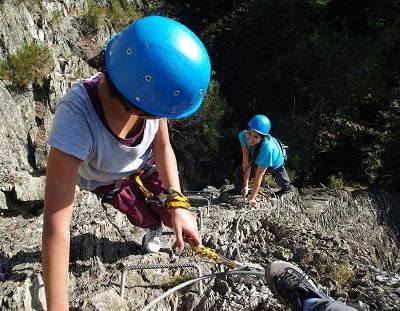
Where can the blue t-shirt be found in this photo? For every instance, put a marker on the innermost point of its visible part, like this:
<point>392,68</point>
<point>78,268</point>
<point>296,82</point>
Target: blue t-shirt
<point>270,153</point>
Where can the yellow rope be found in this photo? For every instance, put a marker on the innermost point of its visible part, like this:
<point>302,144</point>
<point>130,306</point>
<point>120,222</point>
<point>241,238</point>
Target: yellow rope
<point>177,200</point>
<point>209,253</point>
<point>142,188</point>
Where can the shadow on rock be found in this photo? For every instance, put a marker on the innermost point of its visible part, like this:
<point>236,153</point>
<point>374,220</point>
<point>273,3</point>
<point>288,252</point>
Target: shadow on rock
<point>86,246</point>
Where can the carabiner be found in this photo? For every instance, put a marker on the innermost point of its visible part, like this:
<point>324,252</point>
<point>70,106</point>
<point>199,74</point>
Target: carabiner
<point>155,199</point>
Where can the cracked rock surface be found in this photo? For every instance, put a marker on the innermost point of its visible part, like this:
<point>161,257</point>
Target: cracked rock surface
<point>347,238</point>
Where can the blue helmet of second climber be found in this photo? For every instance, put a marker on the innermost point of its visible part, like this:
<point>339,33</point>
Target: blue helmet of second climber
<point>260,124</point>
<point>160,66</point>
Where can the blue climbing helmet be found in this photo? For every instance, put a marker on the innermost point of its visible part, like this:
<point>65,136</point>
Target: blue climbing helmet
<point>260,124</point>
<point>160,66</point>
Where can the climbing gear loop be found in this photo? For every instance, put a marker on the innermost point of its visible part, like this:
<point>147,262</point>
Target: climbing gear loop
<point>170,197</point>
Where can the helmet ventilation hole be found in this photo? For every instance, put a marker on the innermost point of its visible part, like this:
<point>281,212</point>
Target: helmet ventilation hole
<point>129,51</point>
<point>148,78</point>
<point>176,93</point>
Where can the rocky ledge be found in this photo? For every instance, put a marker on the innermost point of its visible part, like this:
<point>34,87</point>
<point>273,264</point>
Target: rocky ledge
<point>350,240</point>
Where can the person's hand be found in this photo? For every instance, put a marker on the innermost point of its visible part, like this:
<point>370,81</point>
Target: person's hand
<point>253,202</point>
<point>245,191</point>
<point>184,223</point>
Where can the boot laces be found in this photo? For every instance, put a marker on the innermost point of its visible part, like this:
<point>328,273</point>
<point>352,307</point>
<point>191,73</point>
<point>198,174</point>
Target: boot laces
<point>290,286</point>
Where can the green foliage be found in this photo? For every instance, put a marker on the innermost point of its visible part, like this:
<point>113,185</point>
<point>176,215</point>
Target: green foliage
<point>77,73</point>
<point>207,122</point>
<point>94,18</point>
<point>198,138</point>
<point>215,29</point>
<point>319,2</point>
<point>213,138</point>
<point>325,72</point>
<point>341,274</point>
<point>269,180</point>
<point>336,181</point>
<point>213,109</point>
<point>122,13</point>
<point>117,14</point>
<point>28,65</point>
<point>56,18</point>
<point>292,174</point>
<point>32,3</point>
<point>379,152</point>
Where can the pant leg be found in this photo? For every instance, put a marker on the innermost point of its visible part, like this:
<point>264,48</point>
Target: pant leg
<point>238,179</point>
<point>139,213</point>
<point>281,177</point>
<point>154,185</point>
<point>319,304</point>
<point>131,202</point>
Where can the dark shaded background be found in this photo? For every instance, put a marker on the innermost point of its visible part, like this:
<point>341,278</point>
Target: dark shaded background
<point>325,72</point>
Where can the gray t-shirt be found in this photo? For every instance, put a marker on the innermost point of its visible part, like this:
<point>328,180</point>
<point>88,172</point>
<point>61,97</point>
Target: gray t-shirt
<point>77,130</point>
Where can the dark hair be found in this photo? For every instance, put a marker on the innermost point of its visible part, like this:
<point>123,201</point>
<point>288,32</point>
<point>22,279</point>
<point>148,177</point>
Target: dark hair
<point>111,86</point>
<point>257,149</point>
<point>128,105</point>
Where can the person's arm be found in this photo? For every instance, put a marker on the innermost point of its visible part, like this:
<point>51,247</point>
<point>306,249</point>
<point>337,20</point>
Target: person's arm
<point>246,168</point>
<point>61,174</point>
<point>182,220</point>
<point>256,184</point>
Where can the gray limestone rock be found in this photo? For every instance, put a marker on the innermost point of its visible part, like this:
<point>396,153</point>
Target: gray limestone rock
<point>351,239</point>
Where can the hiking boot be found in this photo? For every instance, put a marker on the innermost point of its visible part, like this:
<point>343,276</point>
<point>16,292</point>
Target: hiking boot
<point>152,240</point>
<point>282,192</point>
<point>290,284</point>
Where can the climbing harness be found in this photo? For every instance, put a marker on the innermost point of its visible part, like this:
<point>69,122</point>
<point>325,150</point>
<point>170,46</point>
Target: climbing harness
<point>171,197</point>
<point>148,196</point>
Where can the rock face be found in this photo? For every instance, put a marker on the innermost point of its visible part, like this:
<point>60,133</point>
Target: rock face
<point>345,237</point>
<point>351,239</point>
<point>26,113</point>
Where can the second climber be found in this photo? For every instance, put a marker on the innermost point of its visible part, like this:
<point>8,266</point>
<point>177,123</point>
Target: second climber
<point>261,153</point>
